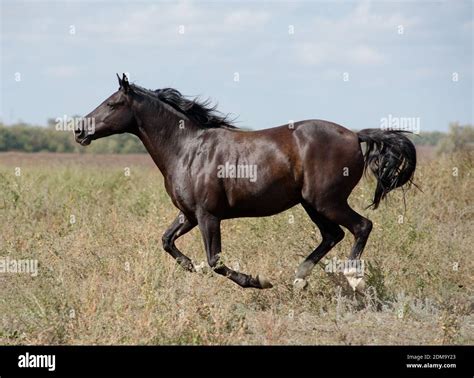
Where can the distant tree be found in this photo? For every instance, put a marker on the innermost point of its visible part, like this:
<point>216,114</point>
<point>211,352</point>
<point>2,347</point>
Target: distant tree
<point>28,138</point>
<point>428,138</point>
<point>459,139</point>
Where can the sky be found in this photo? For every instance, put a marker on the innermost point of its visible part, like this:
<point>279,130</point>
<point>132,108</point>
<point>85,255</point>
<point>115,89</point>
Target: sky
<point>265,62</point>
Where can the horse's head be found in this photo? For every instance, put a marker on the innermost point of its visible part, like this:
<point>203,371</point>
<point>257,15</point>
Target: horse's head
<point>113,116</point>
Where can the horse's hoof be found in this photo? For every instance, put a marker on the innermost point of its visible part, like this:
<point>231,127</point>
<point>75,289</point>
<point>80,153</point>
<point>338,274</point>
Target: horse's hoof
<point>360,287</point>
<point>357,284</point>
<point>188,266</point>
<point>264,283</point>
<point>300,283</point>
<point>356,281</point>
<point>185,263</point>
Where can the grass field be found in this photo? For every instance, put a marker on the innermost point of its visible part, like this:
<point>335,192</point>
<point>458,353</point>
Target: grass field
<point>103,277</point>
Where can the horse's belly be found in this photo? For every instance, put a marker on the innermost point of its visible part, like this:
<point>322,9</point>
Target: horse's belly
<point>258,202</point>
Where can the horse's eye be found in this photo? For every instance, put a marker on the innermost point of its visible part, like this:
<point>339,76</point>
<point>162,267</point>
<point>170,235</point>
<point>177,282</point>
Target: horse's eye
<point>114,104</point>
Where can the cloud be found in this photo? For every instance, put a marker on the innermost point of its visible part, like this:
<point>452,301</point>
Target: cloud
<point>242,19</point>
<point>365,55</point>
<point>160,24</point>
<point>354,38</point>
<point>468,26</point>
<point>363,22</point>
<point>326,53</point>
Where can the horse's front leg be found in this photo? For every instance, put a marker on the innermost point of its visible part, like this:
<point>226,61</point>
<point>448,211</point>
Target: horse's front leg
<point>178,228</point>
<point>211,233</point>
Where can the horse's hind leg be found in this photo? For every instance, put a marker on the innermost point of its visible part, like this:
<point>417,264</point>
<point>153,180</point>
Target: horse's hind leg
<point>331,234</point>
<point>360,227</point>
<point>211,233</point>
<point>180,226</point>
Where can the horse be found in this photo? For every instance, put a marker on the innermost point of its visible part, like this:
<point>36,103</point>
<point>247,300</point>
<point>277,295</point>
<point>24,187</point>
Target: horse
<point>314,163</point>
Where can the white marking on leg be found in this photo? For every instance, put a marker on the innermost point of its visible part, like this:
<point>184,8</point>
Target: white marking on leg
<point>264,283</point>
<point>304,269</point>
<point>300,283</point>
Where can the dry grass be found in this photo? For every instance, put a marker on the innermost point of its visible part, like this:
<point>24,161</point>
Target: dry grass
<point>106,280</point>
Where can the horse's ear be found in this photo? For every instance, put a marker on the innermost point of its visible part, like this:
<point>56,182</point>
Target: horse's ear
<point>119,80</point>
<point>125,84</point>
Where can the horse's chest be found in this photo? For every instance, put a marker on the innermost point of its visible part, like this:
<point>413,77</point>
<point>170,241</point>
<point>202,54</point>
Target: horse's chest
<point>180,194</point>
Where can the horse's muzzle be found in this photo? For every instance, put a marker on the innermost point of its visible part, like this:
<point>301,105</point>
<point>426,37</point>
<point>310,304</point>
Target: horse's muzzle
<point>82,137</point>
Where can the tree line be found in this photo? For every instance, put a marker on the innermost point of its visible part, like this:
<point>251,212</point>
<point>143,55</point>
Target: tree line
<point>27,138</point>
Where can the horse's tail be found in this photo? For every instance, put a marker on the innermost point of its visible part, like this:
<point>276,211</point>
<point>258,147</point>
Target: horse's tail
<point>391,157</point>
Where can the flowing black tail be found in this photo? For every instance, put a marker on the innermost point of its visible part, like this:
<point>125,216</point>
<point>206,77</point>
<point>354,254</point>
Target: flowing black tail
<point>391,157</point>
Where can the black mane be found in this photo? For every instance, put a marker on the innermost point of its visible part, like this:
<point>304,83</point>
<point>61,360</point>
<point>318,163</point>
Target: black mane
<point>201,112</point>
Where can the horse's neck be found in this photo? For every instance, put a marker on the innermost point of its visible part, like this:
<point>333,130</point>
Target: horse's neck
<point>164,136</point>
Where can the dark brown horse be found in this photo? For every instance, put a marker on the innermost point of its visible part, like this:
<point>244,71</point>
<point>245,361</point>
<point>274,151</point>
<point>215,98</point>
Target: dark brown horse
<point>215,171</point>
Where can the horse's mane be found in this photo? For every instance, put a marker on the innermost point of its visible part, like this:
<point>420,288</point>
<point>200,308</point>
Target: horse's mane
<point>201,112</point>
